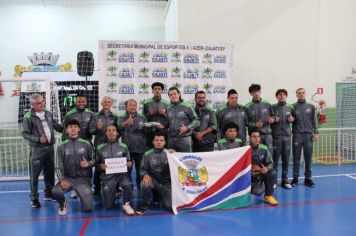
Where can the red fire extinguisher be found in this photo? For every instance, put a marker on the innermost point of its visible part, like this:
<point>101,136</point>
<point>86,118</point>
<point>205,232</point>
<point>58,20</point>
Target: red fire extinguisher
<point>321,112</point>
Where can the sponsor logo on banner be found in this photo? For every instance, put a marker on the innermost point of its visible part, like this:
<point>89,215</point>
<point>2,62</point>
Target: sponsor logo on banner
<point>207,73</point>
<point>160,73</point>
<point>111,87</point>
<point>207,87</point>
<point>177,85</point>
<point>160,57</point>
<point>220,59</point>
<point>176,57</point>
<point>217,104</point>
<point>143,88</point>
<point>191,74</point>
<point>126,89</point>
<point>111,71</point>
<point>219,89</point>
<point>144,72</point>
<point>144,57</point>
<point>111,55</point>
<point>121,106</point>
<point>176,72</point>
<point>126,73</point>
<point>191,58</point>
<point>127,57</point>
<point>114,103</point>
<point>219,74</point>
<point>207,58</point>
<point>192,177</point>
<point>190,89</point>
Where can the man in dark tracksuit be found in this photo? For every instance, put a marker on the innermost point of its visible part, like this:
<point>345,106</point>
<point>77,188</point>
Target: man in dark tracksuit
<point>155,110</point>
<point>155,174</point>
<point>81,114</point>
<point>98,124</point>
<point>74,162</point>
<point>204,136</point>
<point>230,141</point>
<point>182,120</point>
<point>260,115</point>
<point>132,130</point>
<point>263,174</point>
<point>109,182</point>
<point>232,111</point>
<point>38,129</point>
<point>281,133</point>
<point>305,132</point>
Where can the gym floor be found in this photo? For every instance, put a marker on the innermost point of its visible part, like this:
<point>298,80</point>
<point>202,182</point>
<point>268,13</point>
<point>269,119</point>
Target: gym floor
<point>327,209</point>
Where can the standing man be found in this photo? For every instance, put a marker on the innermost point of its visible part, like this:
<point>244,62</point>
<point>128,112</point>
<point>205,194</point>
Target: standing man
<point>82,114</point>
<point>182,120</point>
<point>260,115</point>
<point>38,129</point>
<point>305,132</point>
<point>131,126</point>
<point>114,149</point>
<point>155,110</point>
<point>98,124</point>
<point>281,133</point>
<point>204,136</point>
<point>74,162</point>
<point>232,112</point>
<point>263,174</point>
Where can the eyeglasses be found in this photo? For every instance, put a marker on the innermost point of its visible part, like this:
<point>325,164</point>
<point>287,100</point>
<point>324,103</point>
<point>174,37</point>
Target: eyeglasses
<point>38,103</point>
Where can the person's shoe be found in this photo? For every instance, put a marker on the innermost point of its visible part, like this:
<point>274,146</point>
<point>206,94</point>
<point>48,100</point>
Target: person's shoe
<point>49,198</point>
<point>309,183</point>
<point>286,185</point>
<point>73,194</point>
<point>128,209</point>
<point>35,203</point>
<point>271,200</point>
<point>294,182</point>
<point>62,210</point>
<point>142,209</point>
<point>274,186</point>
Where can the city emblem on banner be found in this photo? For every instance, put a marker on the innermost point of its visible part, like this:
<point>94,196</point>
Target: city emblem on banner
<point>192,177</point>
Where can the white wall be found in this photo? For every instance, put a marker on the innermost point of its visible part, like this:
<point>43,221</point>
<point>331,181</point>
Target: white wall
<point>171,21</point>
<point>278,43</point>
<point>66,27</point>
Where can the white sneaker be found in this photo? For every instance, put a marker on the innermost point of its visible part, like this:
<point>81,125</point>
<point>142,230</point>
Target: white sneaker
<point>73,194</point>
<point>274,186</point>
<point>62,211</point>
<point>128,209</point>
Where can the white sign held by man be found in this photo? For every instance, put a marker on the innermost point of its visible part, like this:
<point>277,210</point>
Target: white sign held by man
<point>116,165</point>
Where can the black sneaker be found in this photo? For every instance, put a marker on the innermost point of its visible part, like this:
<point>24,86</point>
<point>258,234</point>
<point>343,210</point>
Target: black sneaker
<point>309,183</point>
<point>49,198</point>
<point>142,209</point>
<point>294,182</point>
<point>35,204</point>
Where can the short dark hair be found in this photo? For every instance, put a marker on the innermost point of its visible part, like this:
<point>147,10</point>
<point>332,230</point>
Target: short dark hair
<point>253,130</point>
<point>281,91</point>
<point>230,125</point>
<point>254,87</point>
<point>199,92</point>
<point>155,84</point>
<point>81,94</point>
<point>231,91</point>
<point>159,134</point>
<point>127,101</point>
<point>299,89</point>
<point>72,122</point>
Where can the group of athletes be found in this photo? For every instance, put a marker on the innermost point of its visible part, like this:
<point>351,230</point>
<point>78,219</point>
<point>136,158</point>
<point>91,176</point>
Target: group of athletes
<point>164,126</point>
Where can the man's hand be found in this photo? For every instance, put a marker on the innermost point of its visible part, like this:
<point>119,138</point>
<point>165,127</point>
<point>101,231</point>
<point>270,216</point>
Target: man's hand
<point>129,121</point>
<point>183,128</point>
<point>291,118</point>
<point>102,166</point>
<point>315,137</point>
<point>43,139</point>
<point>264,169</point>
<point>277,119</point>
<point>259,124</point>
<point>129,164</point>
<point>198,135</point>
<point>162,112</point>
<point>255,168</point>
<point>147,180</point>
<point>270,119</point>
<point>64,184</point>
<point>84,163</point>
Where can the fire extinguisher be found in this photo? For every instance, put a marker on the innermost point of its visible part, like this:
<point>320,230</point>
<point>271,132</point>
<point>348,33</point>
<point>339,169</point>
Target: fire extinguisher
<point>321,112</point>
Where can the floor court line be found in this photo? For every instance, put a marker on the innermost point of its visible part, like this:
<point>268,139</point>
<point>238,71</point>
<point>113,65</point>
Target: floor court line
<point>84,227</point>
<point>350,176</point>
<point>171,214</point>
